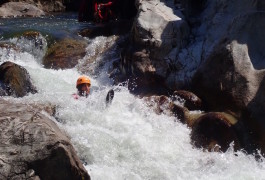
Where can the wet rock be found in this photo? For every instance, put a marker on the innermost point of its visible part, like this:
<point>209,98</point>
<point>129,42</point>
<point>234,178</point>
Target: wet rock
<point>8,46</point>
<point>16,80</point>
<point>2,89</point>
<point>215,132</point>
<point>64,54</point>
<point>118,27</point>
<point>191,101</point>
<point>33,147</point>
<point>15,9</point>
<point>99,53</point>
<point>165,105</point>
<point>179,111</point>
<point>159,104</point>
<point>32,42</point>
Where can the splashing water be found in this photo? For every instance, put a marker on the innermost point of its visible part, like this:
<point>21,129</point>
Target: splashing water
<point>127,140</point>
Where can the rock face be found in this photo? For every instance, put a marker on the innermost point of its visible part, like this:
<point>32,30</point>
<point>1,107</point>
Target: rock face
<point>15,80</point>
<point>156,33</point>
<point>233,75</point>
<point>33,147</point>
<point>223,61</point>
<point>16,9</point>
<point>210,22</point>
<point>64,54</point>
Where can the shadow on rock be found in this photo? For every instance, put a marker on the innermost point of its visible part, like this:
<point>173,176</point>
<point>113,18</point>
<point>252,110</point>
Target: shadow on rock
<point>15,80</point>
<point>119,27</point>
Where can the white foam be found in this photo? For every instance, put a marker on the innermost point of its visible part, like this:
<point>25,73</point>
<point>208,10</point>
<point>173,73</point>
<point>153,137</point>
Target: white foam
<point>128,140</point>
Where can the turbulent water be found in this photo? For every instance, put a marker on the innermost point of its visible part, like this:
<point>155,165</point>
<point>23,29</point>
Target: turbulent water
<point>127,140</point>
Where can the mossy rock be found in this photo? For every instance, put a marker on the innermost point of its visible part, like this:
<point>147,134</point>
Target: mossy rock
<point>65,54</point>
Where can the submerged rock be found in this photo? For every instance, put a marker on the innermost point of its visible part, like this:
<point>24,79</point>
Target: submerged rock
<point>9,46</point>
<point>166,105</point>
<point>33,147</point>
<point>159,104</point>
<point>64,54</point>
<point>32,42</point>
<point>191,101</point>
<point>15,80</point>
<point>215,131</point>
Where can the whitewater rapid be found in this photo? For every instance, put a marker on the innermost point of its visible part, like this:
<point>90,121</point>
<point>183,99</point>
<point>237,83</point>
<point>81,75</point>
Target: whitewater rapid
<point>127,140</point>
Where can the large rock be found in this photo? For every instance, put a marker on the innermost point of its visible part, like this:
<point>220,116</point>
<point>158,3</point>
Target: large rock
<point>44,5</point>
<point>15,80</point>
<point>157,34</point>
<point>232,78</point>
<point>16,9</point>
<point>210,20</point>
<point>158,28</point>
<point>64,54</point>
<point>33,147</point>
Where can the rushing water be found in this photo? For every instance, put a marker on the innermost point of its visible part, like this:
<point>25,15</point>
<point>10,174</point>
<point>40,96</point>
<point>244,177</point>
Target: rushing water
<point>126,140</point>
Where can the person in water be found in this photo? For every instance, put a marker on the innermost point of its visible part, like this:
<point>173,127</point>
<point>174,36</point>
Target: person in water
<point>83,87</point>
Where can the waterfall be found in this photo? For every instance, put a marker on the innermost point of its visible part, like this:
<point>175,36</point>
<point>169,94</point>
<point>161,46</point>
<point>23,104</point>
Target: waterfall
<point>127,140</point>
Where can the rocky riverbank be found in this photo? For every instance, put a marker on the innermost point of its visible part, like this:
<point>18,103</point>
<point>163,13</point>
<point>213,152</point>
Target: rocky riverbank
<point>209,56</point>
<point>16,8</point>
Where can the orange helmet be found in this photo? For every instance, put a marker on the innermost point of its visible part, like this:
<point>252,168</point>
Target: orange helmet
<point>83,80</point>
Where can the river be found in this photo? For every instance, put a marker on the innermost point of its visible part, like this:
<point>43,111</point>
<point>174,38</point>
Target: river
<point>127,140</point>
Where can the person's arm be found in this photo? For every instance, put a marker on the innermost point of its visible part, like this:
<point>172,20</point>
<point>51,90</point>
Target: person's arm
<point>106,4</point>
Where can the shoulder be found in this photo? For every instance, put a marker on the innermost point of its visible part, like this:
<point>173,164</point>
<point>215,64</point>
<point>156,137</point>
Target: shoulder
<point>75,96</point>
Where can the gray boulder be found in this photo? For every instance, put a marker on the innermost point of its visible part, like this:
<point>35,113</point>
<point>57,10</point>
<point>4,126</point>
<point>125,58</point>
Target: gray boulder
<point>158,28</point>
<point>158,33</point>
<point>16,9</point>
<point>210,21</point>
<point>33,147</point>
<point>44,5</point>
